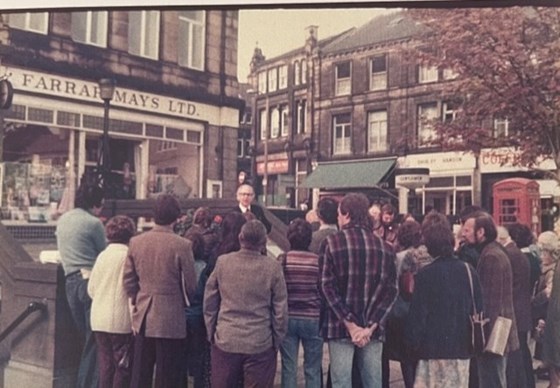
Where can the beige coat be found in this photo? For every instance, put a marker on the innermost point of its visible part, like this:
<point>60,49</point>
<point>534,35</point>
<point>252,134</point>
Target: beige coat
<point>158,271</point>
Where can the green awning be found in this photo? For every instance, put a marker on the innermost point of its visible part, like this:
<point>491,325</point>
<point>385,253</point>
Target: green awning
<point>355,174</point>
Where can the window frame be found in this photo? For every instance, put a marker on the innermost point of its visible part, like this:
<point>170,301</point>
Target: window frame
<point>500,121</point>
<point>275,123</point>
<point>142,43</point>
<point>422,126</point>
<point>27,22</point>
<point>382,143</point>
<point>262,82</point>
<point>89,22</point>
<point>301,116</point>
<point>192,24</point>
<point>378,80</point>
<point>346,132</point>
<point>297,73</point>
<point>343,86</point>
<point>282,77</point>
<point>304,71</point>
<point>263,123</point>
<point>427,74</point>
<point>284,121</point>
<point>272,75</point>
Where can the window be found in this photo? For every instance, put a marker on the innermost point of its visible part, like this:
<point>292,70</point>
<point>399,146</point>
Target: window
<point>342,134</point>
<point>501,127</point>
<point>427,74</point>
<point>274,123</point>
<point>297,73</point>
<point>261,80</point>
<point>448,112</point>
<point>283,77</point>
<point>342,79</point>
<point>426,114</point>
<point>272,80</point>
<point>304,71</point>
<point>191,39</point>
<point>143,33</point>
<point>263,124</point>
<point>449,74</point>
<point>378,76</point>
<point>301,116</point>
<point>30,21</point>
<point>243,147</point>
<point>90,27</point>
<point>284,129</point>
<point>377,131</point>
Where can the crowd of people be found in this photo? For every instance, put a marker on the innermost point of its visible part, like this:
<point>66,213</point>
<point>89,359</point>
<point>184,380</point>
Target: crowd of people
<point>206,302</point>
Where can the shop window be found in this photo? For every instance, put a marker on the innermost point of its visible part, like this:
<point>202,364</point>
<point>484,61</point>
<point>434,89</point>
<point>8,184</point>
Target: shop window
<point>191,39</point>
<point>378,75</point>
<point>154,130</point>
<point>30,21</point>
<point>90,27</point>
<point>143,33</point>
<point>342,79</point>
<point>68,119</point>
<point>377,131</point>
<point>342,134</point>
<point>166,145</point>
<point>193,137</point>
<point>40,115</point>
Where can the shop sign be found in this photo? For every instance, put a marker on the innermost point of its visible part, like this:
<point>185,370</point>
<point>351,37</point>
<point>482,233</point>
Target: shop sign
<point>412,178</point>
<point>506,159</point>
<point>441,161</point>
<point>75,89</point>
<point>273,167</point>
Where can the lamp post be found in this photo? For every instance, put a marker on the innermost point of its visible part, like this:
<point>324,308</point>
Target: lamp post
<point>106,92</point>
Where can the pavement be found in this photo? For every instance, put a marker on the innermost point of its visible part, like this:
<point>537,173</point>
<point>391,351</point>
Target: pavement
<point>34,249</point>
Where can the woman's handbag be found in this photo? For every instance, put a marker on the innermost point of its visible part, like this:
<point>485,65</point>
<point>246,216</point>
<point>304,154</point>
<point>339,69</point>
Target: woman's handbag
<point>478,321</point>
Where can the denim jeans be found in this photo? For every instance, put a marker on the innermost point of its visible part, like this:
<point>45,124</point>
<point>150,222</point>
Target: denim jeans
<point>491,370</point>
<point>306,331</point>
<point>80,307</point>
<point>341,353</point>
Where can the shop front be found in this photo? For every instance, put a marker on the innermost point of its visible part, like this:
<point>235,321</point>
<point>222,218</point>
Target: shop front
<point>450,184</point>
<point>52,140</point>
<point>276,179</point>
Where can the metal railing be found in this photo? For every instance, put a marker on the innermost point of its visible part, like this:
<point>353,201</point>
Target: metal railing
<point>31,308</point>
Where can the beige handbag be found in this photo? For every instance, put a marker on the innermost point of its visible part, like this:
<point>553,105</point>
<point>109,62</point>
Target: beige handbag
<point>498,339</point>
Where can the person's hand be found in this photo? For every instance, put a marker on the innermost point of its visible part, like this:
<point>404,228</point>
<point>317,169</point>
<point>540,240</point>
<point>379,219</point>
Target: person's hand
<point>364,336</point>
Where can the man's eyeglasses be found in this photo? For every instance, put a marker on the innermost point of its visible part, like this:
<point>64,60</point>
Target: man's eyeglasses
<point>246,194</point>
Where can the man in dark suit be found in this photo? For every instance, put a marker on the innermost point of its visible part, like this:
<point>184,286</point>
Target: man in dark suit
<point>495,274</point>
<point>245,195</point>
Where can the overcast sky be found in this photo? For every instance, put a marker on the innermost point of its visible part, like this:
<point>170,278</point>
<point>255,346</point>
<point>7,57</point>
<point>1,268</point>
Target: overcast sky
<point>280,30</point>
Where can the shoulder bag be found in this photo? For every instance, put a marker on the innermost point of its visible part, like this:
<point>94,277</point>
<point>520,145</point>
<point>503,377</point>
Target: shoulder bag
<point>478,337</point>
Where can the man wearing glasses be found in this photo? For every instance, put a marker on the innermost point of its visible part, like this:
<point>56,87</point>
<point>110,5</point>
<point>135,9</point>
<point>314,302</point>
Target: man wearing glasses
<point>245,195</point>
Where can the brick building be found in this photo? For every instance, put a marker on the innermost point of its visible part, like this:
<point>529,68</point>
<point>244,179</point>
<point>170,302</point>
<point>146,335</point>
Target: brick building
<point>174,117</point>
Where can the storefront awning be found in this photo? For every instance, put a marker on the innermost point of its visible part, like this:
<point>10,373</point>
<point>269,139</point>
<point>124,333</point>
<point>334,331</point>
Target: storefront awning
<point>356,174</point>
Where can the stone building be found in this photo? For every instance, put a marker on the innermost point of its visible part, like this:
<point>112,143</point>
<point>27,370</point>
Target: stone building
<point>368,108</point>
<point>174,116</point>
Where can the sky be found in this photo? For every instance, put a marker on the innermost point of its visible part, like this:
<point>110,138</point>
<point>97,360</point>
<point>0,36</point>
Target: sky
<point>280,30</point>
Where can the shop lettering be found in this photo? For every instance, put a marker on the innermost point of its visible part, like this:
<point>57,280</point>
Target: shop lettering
<point>137,99</point>
<point>501,159</point>
<point>122,97</point>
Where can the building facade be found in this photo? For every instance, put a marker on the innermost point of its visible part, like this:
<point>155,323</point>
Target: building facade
<point>371,110</point>
<point>173,119</point>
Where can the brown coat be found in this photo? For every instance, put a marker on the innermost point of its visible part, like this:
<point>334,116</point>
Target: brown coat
<point>158,270</point>
<point>521,286</point>
<point>494,272</point>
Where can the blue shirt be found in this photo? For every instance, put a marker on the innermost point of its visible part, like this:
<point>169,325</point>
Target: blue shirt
<point>80,238</point>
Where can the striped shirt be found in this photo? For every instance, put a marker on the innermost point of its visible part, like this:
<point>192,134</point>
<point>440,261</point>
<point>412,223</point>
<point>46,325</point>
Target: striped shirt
<point>301,271</point>
<point>357,281</point>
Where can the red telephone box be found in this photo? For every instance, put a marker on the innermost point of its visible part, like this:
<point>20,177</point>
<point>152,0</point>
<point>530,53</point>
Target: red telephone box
<point>517,200</point>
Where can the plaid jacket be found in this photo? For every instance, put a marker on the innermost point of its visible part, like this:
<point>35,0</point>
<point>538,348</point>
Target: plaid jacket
<point>357,281</point>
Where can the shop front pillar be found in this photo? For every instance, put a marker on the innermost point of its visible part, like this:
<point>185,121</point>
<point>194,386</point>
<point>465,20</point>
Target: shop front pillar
<point>403,200</point>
